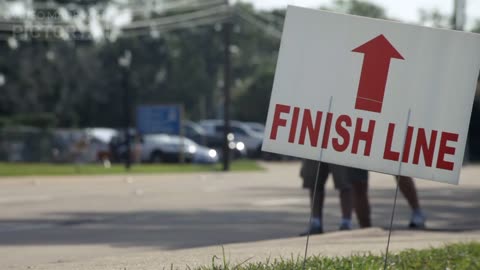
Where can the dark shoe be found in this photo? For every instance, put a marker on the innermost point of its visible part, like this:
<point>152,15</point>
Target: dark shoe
<point>345,227</point>
<point>416,226</point>
<point>312,230</point>
<point>417,222</point>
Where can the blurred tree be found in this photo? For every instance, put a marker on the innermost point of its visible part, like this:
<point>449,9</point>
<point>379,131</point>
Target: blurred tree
<point>252,105</point>
<point>254,57</point>
<point>476,27</point>
<point>360,8</point>
<point>78,82</point>
<point>434,18</point>
<point>259,55</point>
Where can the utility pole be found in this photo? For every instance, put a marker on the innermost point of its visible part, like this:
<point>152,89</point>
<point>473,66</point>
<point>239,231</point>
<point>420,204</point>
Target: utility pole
<point>458,23</point>
<point>227,32</point>
<point>124,62</point>
<point>459,16</point>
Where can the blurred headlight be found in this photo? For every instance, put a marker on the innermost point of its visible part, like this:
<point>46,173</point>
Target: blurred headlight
<point>230,137</point>
<point>192,149</point>
<point>231,145</point>
<point>240,146</point>
<point>212,153</point>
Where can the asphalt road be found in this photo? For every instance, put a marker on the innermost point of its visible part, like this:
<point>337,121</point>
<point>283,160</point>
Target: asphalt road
<point>73,219</point>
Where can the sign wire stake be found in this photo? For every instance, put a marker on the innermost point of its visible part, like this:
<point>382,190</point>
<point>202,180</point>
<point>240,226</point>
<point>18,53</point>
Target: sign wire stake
<point>391,224</point>
<point>396,190</point>
<point>314,195</point>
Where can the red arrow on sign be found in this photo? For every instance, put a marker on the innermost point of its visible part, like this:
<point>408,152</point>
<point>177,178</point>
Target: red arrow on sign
<point>376,62</point>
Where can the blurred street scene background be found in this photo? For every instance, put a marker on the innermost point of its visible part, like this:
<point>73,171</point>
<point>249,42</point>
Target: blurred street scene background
<point>75,76</point>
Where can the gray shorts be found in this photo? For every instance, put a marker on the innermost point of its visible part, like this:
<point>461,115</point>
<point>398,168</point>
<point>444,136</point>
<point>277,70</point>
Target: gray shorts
<point>342,176</point>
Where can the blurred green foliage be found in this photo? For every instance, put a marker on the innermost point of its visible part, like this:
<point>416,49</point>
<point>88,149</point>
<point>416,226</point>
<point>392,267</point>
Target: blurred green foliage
<point>78,83</point>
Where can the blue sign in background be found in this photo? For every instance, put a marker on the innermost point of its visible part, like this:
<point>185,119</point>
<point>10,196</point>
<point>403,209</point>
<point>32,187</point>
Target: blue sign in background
<point>153,119</point>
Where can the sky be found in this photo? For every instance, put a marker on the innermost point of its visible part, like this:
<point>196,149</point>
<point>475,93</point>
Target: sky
<point>405,10</point>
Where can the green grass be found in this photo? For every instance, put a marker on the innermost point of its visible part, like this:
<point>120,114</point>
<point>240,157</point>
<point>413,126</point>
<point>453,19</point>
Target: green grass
<point>44,169</point>
<point>464,256</point>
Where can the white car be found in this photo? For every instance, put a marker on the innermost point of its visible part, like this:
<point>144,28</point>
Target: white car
<point>168,148</point>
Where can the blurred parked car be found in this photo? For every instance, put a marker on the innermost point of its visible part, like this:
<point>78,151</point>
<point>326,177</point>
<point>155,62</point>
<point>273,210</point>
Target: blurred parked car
<point>168,148</point>
<point>241,132</point>
<point>194,132</point>
<point>99,142</point>
<point>197,133</point>
<point>104,135</point>
<point>257,127</point>
<point>82,145</point>
<point>237,148</point>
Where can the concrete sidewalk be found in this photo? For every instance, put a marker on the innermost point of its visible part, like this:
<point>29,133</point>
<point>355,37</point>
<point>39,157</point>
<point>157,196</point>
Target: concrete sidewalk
<point>371,240</point>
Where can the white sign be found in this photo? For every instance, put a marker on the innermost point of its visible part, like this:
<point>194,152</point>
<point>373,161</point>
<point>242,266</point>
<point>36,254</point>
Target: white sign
<point>373,94</point>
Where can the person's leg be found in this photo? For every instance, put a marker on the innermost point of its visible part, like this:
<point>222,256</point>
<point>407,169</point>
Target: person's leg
<point>317,207</point>
<point>361,202</point>
<point>407,187</point>
<point>343,185</point>
<point>346,205</point>
<point>316,204</point>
